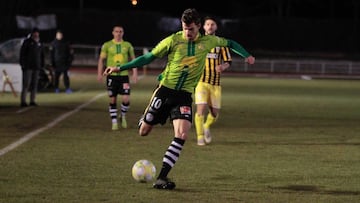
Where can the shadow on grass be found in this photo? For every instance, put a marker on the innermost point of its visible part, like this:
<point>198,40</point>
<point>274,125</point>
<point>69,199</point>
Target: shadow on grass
<point>226,143</point>
<point>315,189</point>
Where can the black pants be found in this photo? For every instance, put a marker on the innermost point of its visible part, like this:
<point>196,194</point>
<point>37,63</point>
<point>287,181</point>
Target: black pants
<point>65,77</point>
<point>30,80</point>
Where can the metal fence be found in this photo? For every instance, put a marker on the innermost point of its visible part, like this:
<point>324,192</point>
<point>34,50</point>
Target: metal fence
<point>88,56</point>
<point>299,66</point>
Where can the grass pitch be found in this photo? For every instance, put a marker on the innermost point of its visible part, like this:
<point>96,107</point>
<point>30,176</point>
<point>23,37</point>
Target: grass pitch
<point>276,140</point>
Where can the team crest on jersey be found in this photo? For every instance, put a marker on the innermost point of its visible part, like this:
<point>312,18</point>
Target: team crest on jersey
<point>201,47</point>
<point>185,110</point>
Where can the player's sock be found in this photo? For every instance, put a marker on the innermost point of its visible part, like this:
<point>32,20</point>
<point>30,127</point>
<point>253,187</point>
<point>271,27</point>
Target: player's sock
<point>124,108</point>
<point>113,112</point>
<point>199,123</point>
<point>171,156</point>
<point>210,119</point>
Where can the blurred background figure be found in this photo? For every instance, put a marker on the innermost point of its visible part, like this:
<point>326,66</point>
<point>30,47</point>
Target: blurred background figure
<point>62,56</point>
<point>114,53</point>
<point>208,90</point>
<point>31,61</point>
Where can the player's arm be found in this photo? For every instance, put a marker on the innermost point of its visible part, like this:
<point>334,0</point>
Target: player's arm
<point>100,68</point>
<point>223,66</point>
<point>134,71</point>
<point>23,52</point>
<point>238,49</point>
<point>224,56</point>
<point>137,62</point>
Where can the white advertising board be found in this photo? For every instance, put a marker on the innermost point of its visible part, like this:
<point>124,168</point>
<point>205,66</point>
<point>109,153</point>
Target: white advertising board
<point>14,76</point>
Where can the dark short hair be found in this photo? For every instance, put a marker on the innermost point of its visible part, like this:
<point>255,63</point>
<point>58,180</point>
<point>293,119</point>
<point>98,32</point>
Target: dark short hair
<point>190,15</point>
<point>210,18</point>
<point>35,30</point>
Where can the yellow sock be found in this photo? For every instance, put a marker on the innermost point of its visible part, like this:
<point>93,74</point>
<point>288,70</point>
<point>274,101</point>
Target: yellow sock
<point>199,122</point>
<point>210,120</point>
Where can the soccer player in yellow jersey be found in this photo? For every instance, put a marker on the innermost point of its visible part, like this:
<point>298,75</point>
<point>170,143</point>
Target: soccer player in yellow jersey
<point>208,90</point>
<point>115,53</point>
<point>186,51</point>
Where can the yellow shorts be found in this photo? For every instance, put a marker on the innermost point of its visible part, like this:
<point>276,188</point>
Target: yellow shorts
<point>208,94</point>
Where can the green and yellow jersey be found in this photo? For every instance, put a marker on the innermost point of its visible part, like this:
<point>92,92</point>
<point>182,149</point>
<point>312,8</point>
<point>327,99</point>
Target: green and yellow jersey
<point>117,54</point>
<point>185,59</point>
<point>215,57</point>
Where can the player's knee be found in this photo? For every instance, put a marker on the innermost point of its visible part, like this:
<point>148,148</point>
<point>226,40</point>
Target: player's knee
<point>182,136</point>
<point>144,129</point>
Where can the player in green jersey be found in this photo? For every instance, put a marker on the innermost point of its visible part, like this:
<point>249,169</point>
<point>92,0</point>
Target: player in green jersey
<point>186,51</point>
<point>115,53</point>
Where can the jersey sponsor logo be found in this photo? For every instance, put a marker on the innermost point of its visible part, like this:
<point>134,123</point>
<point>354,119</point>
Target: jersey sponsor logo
<point>118,59</point>
<point>190,61</point>
<point>185,110</point>
<point>126,86</point>
<point>212,55</point>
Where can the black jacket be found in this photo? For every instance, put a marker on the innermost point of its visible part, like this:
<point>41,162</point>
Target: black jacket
<point>31,55</point>
<point>61,54</point>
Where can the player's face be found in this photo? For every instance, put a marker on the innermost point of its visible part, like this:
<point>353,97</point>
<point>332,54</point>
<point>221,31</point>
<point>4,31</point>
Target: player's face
<point>35,36</point>
<point>59,35</point>
<point>190,30</point>
<point>210,27</point>
<point>118,33</point>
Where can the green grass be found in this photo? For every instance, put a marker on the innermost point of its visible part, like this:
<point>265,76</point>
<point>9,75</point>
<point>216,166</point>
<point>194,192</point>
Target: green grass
<point>276,140</point>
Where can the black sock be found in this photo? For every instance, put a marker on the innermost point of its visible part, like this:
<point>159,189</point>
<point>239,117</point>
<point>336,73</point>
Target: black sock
<point>171,156</point>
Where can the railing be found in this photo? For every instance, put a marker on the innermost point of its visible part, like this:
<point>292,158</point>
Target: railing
<point>299,66</point>
<point>88,56</point>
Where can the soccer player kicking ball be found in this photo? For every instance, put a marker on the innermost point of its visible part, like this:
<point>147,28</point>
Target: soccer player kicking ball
<point>186,51</point>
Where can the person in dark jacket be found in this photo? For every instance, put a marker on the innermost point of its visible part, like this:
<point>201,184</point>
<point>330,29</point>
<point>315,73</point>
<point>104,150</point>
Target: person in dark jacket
<point>61,59</point>
<point>31,61</point>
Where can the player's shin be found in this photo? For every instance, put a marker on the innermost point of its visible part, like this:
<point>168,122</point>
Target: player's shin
<point>199,122</point>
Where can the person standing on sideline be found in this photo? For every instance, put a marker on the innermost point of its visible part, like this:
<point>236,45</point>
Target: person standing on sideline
<point>115,53</point>
<point>186,51</point>
<point>208,90</point>
<point>62,56</point>
<point>31,61</point>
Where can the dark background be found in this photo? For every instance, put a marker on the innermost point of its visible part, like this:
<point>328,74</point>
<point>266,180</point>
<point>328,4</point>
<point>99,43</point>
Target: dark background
<point>319,28</point>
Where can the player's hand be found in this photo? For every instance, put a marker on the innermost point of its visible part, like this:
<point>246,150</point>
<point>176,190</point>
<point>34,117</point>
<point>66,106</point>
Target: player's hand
<point>110,70</point>
<point>219,68</point>
<point>100,77</point>
<point>250,60</point>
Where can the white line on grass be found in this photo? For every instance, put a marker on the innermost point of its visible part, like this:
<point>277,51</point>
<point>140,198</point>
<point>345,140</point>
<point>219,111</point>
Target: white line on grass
<point>22,110</point>
<point>49,125</point>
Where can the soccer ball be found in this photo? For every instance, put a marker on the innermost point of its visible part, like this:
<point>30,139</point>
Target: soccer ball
<point>143,171</point>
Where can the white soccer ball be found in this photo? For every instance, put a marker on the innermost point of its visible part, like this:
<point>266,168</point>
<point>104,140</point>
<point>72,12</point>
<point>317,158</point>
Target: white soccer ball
<point>143,171</point>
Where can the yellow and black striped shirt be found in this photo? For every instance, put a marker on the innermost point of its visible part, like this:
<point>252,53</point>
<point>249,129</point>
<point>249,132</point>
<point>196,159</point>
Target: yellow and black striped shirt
<point>216,56</point>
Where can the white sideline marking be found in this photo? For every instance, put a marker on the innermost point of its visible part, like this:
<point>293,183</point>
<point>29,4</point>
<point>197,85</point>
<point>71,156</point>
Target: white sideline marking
<point>24,109</point>
<point>49,125</point>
